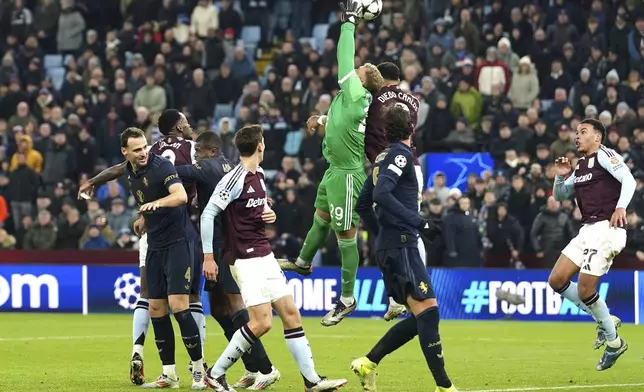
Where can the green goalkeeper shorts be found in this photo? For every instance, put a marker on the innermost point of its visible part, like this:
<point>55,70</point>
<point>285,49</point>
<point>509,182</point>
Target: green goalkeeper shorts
<point>337,194</point>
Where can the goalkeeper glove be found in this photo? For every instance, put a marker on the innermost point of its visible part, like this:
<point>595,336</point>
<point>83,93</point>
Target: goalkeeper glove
<point>429,230</point>
<point>351,12</point>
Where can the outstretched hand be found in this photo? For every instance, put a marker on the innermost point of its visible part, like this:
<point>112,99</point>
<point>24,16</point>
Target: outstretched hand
<point>351,11</point>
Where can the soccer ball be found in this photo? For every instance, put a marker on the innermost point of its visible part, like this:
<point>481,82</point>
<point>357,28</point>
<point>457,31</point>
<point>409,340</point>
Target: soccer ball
<point>127,289</point>
<point>371,9</point>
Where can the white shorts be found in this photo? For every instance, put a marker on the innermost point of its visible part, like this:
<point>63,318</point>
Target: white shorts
<point>143,249</point>
<point>260,280</point>
<point>595,247</point>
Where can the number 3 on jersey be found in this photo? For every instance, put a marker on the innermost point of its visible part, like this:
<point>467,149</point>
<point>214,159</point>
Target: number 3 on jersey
<point>169,155</point>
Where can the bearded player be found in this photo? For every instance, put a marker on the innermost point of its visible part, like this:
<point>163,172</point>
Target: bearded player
<point>343,147</point>
<point>603,187</point>
<point>376,142</point>
<point>176,146</point>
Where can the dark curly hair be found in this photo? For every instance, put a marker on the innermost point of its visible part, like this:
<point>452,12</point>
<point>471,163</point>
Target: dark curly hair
<point>398,122</point>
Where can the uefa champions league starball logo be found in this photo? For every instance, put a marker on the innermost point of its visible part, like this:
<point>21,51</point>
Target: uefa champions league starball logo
<point>127,289</point>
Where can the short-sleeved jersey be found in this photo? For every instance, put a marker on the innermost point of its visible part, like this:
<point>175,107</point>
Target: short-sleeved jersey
<point>396,165</point>
<point>180,152</point>
<point>207,173</point>
<point>376,138</point>
<point>241,195</point>
<point>596,189</point>
<point>152,182</point>
<point>344,140</point>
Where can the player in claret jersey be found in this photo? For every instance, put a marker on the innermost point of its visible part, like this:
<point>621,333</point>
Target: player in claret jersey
<point>603,186</point>
<point>241,197</point>
<point>177,147</point>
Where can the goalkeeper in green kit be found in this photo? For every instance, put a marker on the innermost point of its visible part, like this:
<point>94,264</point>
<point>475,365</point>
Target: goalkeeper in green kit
<point>343,147</point>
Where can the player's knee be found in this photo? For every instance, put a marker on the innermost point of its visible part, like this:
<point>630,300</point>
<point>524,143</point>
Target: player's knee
<point>260,323</point>
<point>323,215</point>
<point>417,307</point>
<point>291,317</point>
<point>157,308</point>
<point>347,234</point>
<point>178,303</point>
<point>557,281</point>
<point>194,298</point>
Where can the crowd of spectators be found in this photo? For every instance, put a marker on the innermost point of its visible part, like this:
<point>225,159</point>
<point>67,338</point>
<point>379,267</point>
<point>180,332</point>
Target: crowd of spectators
<point>512,78</point>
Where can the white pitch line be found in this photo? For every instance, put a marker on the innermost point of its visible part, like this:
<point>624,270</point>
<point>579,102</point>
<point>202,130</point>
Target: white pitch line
<point>559,388</point>
<point>314,336</point>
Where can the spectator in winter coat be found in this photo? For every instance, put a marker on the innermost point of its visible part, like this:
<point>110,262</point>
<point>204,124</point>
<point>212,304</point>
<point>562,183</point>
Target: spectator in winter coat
<point>70,231</point>
<point>467,102</point>
<point>525,85</point>
<point>42,235</point>
<point>71,28</point>
<point>506,55</point>
<point>33,158</point>
<point>551,231</point>
<point>95,240</point>
<point>490,72</point>
<point>7,241</point>
<point>60,160</point>
<point>461,236</point>
<point>151,97</point>
<point>441,35</point>
<point>635,236</point>
<point>204,17</point>
<point>506,237</point>
<point>23,185</point>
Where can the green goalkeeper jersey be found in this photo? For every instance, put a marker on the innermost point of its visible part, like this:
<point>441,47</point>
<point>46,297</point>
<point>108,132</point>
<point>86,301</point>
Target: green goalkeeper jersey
<point>343,145</point>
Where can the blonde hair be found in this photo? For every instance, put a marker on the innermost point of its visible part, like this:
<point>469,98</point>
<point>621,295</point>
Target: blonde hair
<point>374,81</point>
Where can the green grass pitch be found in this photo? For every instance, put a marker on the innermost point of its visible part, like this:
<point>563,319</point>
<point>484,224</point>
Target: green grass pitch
<point>69,353</point>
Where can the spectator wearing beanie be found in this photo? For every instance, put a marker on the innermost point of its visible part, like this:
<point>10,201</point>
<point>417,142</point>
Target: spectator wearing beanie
<point>525,85</point>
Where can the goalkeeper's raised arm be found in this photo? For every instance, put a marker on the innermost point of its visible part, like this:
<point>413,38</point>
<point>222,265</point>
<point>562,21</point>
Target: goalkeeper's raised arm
<point>354,82</point>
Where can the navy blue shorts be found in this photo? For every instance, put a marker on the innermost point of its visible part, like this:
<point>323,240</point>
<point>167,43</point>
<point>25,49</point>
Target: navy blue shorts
<point>225,282</point>
<point>170,270</point>
<point>197,270</point>
<point>404,274</point>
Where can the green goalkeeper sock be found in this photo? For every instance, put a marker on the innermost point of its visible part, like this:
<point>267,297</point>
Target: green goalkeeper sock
<point>315,239</point>
<point>350,261</point>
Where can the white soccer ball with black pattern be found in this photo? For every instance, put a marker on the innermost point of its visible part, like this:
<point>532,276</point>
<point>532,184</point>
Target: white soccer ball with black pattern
<point>127,289</point>
<point>371,9</point>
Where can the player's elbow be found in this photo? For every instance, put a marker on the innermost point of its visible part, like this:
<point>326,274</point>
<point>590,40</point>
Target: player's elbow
<point>181,196</point>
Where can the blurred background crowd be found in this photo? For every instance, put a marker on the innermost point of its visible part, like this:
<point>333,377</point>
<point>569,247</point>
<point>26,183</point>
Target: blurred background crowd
<point>510,78</point>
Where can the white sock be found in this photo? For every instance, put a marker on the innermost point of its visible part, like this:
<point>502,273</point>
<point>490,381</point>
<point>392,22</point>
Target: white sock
<point>197,366</point>
<point>238,345</point>
<point>197,313</point>
<point>599,310</point>
<point>301,263</point>
<point>571,293</point>
<point>300,349</point>
<point>392,302</point>
<point>170,371</point>
<point>347,300</point>
<point>140,324</point>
